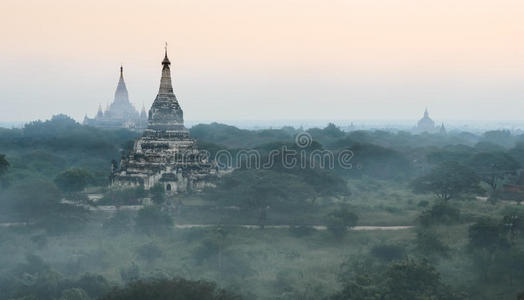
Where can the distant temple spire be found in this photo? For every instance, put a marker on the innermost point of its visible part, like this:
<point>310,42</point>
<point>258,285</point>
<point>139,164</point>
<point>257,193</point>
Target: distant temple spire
<point>121,89</point>
<point>100,113</point>
<point>442,129</point>
<point>165,81</point>
<point>426,113</point>
<point>165,113</point>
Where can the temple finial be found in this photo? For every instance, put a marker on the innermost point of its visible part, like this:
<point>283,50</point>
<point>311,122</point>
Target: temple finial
<point>166,60</point>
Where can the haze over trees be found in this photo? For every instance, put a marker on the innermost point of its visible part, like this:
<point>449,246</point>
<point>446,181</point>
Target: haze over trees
<point>66,235</point>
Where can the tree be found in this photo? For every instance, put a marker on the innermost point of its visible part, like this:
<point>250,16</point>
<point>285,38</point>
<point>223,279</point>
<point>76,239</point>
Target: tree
<point>31,198</point>
<point>172,289</point>
<point>149,252</point>
<point>487,240</point>
<point>74,294</point>
<point>340,220</point>
<point>415,280</point>
<point>492,167</point>
<point>120,222</point>
<point>400,280</point>
<point>447,181</point>
<point>4,166</point>
<point>487,234</point>
<point>158,194</point>
<point>73,180</point>
<point>388,252</point>
<point>429,244</point>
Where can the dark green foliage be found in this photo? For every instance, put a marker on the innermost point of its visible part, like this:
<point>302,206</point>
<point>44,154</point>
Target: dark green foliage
<point>301,230</point>
<point>149,252</point>
<point>487,234</point>
<point>520,296</point>
<point>38,202</point>
<point>74,294</point>
<point>94,285</point>
<point>212,246</point>
<point>339,221</point>
<point>172,289</point>
<point>233,137</point>
<point>447,180</point>
<point>120,222</point>
<point>440,213</point>
<point>388,252</point>
<point>151,219</point>
<point>73,180</point>
<point>493,167</point>
<point>450,154</point>
<point>499,137</point>
<point>158,194</point>
<point>423,203</point>
<point>126,196</point>
<point>42,149</point>
<point>256,189</point>
<point>63,219</point>
<point>30,199</point>
<point>378,162</point>
<point>428,244</point>
<point>415,280</point>
<point>130,274</point>
<point>35,279</point>
<point>402,280</point>
<point>4,165</point>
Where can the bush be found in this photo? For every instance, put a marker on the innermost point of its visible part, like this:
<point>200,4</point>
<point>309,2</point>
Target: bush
<point>120,222</point>
<point>73,180</point>
<point>172,289</point>
<point>429,244</point>
<point>388,252</point>
<point>339,221</point>
<point>149,252</point>
<point>126,196</point>
<point>440,213</point>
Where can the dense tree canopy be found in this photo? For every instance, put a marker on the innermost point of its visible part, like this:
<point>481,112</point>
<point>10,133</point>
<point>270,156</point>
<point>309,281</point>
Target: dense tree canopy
<point>492,167</point>
<point>73,180</point>
<point>447,181</point>
<point>174,289</point>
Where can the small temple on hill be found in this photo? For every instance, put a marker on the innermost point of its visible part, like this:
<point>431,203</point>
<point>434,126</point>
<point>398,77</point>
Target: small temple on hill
<point>165,155</point>
<point>121,113</point>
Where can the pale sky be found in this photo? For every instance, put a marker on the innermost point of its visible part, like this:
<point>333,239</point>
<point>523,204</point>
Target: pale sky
<point>281,59</point>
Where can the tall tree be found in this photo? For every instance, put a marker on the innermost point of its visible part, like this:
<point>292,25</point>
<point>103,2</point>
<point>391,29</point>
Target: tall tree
<point>492,167</point>
<point>73,180</point>
<point>447,181</point>
<point>4,166</point>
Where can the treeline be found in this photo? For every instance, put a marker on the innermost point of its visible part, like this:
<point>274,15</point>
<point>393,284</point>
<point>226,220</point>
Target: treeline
<point>43,149</point>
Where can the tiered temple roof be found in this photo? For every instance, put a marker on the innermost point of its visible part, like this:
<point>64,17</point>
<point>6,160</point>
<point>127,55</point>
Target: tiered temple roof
<point>165,154</point>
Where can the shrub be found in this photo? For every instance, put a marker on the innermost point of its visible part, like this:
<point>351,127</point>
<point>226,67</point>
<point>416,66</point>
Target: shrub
<point>388,252</point>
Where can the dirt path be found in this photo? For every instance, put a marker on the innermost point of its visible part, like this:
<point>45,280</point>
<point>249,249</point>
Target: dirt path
<point>320,227</point>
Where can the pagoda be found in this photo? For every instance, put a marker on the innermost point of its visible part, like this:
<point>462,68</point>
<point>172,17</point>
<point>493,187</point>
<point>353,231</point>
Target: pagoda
<point>426,124</point>
<point>121,113</point>
<point>165,155</point>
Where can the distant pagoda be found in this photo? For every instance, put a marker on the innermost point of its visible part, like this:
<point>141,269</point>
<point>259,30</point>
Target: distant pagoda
<point>121,113</point>
<point>165,154</point>
<point>426,124</point>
